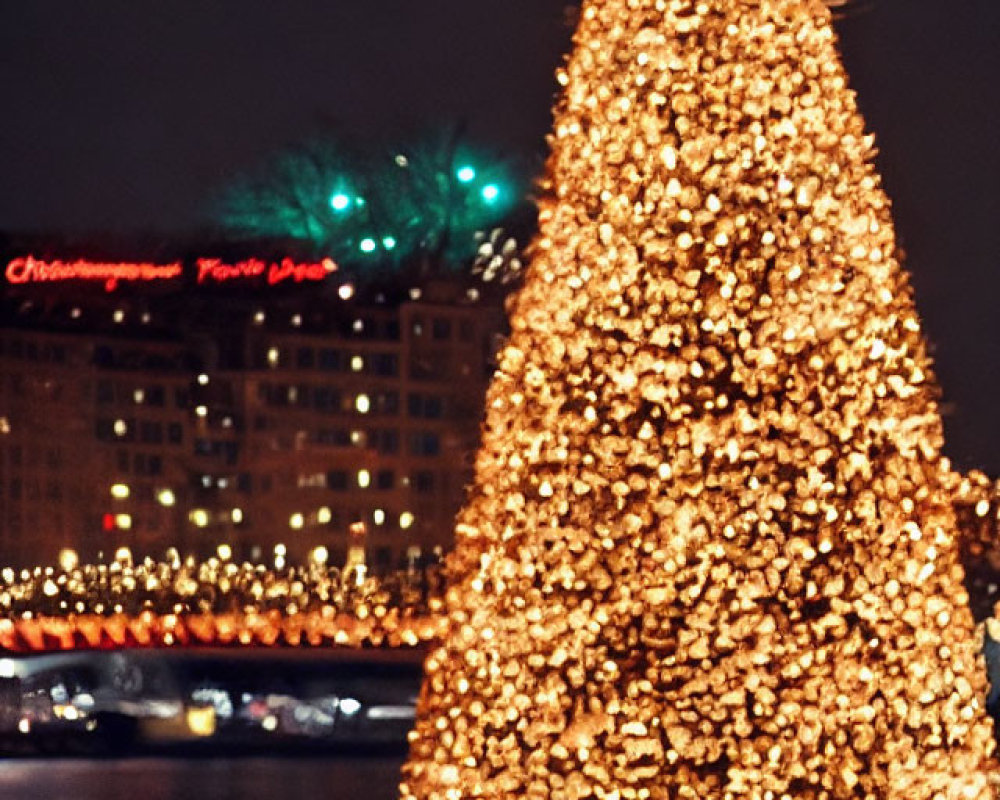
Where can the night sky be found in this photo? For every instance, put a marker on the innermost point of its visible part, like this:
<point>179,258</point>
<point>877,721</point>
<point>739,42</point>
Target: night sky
<point>126,116</point>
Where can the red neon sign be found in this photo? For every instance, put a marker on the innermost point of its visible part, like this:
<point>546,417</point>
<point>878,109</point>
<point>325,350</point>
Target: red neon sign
<point>31,270</point>
<point>209,270</point>
<point>213,269</point>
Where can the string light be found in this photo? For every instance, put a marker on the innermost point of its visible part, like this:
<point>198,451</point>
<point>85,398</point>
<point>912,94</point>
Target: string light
<point>709,551</point>
<point>184,603</point>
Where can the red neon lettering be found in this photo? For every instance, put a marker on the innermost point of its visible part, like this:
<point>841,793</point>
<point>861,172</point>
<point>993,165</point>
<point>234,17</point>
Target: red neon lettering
<point>288,269</point>
<point>214,269</point>
<point>31,270</point>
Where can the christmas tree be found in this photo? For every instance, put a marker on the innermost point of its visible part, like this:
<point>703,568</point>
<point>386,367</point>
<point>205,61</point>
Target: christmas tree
<point>710,550</point>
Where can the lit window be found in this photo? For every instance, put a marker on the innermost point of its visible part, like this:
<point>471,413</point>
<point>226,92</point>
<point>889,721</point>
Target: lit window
<point>123,521</point>
<point>296,320</point>
<point>259,317</point>
<point>358,326</point>
<point>225,552</point>
<point>273,357</point>
<point>320,555</point>
<point>296,521</point>
<point>203,379</point>
<point>120,427</point>
<point>201,411</point>
<point>145,317</point>
<point>280,550</point>
<point>378,516</point>
<point>75,313</point>
<point>363,404</point>
<point>346,291</point>
<point>119,315</point>
<point>324,515</point>
<point>406,520</point>
<point>139,396</point>
<point>364,478</point>
<point>166,497</point>
<point>119,491</point>
<point>199,517</point>
<point>357,364</point>
<point>236,515</point>
<point>415,293</point>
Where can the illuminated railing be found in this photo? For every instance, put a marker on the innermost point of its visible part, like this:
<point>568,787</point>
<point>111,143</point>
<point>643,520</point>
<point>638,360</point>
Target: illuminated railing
<point>215,603</point>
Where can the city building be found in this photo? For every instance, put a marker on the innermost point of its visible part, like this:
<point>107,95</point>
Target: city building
<point>237,411</point>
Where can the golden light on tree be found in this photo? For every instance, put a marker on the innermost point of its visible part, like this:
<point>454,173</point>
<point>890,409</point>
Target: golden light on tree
<point>709,551</point>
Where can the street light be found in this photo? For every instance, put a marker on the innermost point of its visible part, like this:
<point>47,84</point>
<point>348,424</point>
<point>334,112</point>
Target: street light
<point>466,174</point>
<point>490,192</point>
<point>339,201</point>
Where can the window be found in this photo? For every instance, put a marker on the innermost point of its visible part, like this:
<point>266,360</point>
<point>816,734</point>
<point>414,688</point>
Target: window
<point>387,403</point>
<point>337,480</point>
<point>386,364</point>
<point>151,432</point>
<point>175,433</point>
<point>105,392</point>
<point>427,406</point>
<point>424,443</point>
<point>326,399</point>
<point>337,437</point>
<point>155,396</point>
<point>385,479</point>
<point>466,330</point>
<point>329,359</point>
<point>386,441</point>
<point>424,482</point>
<point>441,329</point>
<point>305,358</point>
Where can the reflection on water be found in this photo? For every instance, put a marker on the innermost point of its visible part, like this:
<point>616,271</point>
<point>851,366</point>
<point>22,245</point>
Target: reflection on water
<point>367,778</point>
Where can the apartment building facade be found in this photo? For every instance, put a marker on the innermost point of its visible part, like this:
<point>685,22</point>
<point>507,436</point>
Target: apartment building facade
<point>266,422</point>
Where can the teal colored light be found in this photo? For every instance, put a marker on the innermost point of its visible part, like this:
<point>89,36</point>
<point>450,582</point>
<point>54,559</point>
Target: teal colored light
<point>360,201</point>
<point>388,242</point>
<point>367,244</point>
<point>466,174</point>
<point>490,192</point>
<point>340,201</point>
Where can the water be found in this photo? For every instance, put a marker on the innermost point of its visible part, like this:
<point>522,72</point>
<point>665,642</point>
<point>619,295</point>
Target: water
<point>341,778</point>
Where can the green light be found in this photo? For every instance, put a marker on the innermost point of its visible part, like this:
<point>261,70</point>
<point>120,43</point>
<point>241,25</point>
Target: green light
<point>388,242</point>
<point>466,174</point>
<point>367,244</point>
<point>340,201</point>
<point>490,192</point>
<point>360,201</point>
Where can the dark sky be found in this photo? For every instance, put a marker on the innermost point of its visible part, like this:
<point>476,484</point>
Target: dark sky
<point>126,115</point>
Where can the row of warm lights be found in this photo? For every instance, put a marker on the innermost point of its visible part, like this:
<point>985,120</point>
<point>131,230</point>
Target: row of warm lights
<point>180,601</point>
<point>122,491</point>
<point>201,518</point>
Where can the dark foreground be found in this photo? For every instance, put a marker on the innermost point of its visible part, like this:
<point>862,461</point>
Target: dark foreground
<point>367,777</point>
